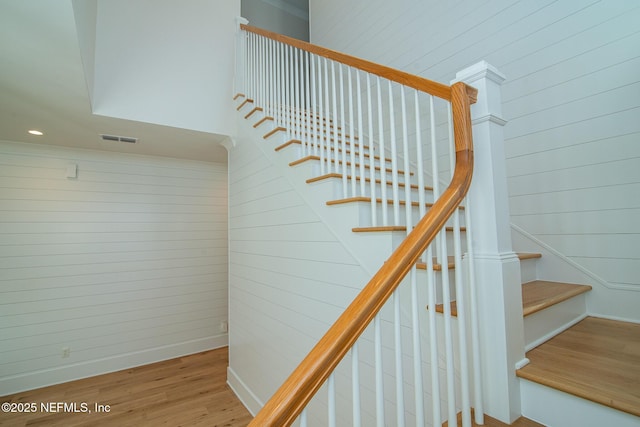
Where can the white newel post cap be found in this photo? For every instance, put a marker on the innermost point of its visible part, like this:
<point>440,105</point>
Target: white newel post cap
<point>487,79</point>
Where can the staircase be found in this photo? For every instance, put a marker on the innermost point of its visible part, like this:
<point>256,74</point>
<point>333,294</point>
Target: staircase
<point>549,308</point>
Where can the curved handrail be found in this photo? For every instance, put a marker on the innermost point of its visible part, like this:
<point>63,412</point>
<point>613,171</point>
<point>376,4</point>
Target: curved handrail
<point>295,393</point>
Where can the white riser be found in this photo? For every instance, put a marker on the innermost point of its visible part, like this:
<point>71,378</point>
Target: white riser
<point>544,325</point>
<point>554,408</point>
<point>529,270</point>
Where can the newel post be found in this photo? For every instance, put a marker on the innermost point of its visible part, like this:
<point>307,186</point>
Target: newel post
<point>497,267</point>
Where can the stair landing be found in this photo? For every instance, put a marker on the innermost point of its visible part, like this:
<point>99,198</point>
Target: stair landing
<point>597,359</point>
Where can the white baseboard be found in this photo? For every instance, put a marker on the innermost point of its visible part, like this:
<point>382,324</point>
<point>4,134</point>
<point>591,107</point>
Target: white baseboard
<point>63,374</point>
<point>554,408</point>
<point>246,396</point>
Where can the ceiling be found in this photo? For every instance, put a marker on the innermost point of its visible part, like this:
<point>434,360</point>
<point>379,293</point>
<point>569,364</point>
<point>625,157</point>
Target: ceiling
<point>43,87</point>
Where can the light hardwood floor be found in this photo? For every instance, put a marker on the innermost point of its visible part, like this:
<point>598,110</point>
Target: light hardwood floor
<point>597,359</point>
<point>187,391</point>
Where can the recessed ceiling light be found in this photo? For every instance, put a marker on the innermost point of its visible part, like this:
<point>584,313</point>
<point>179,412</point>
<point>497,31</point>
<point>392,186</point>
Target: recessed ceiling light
<point>36,132</point>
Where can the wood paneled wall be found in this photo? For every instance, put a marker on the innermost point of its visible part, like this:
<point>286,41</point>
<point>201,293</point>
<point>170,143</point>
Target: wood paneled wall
<point>124,265</point>
<point>289,276</point>
<point>571,100</point>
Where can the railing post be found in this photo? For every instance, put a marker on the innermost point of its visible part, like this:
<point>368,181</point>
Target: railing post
<point>497,267</point>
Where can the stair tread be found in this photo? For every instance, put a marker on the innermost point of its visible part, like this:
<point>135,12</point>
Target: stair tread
<point>454,307</point>
<point>596,359</point>
<point>540,294</point>
<point>492,422</point>
<point>357,165</point>
<point>332,149</point>
<point>349,177</point>
<point>378,200</point>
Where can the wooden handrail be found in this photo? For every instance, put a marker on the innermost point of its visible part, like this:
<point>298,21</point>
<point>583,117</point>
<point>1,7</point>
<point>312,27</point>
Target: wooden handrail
<point>295,393</point>
<point>410,80</point>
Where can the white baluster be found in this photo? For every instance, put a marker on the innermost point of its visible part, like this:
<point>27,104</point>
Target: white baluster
<point>325,125</point>
<point>331,400</point>
<point>379,372</point>
<point>287,99</point>
<point>398,359</point>
<point>344,170</point>
<point>303,418</point>
<point>334,116</point>
<point>433,340</point>
<point>441,245</point>
<point>355,383</point>
<point>306,135</point>
<point>352,147</point>
<point>360,143</point>
<point>478,402</point>
<point>372,157</point>
<point>278,85</point>
<point>394,159</point>
<point>312,115</point>
<point>383,156</point>
<point>407,166</point>
<point>417,353</point>
<point>321,137</point>
<point>297,112</point>
<point>259,101</point>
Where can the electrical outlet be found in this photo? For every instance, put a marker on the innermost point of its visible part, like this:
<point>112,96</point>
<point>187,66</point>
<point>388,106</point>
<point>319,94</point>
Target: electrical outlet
<point>66,352</point>
<point>224,326</point>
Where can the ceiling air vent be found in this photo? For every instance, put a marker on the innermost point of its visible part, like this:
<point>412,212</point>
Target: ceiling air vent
<point>128,139</point>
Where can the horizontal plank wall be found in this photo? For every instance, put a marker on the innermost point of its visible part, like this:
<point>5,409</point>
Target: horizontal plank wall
<point>572,103</point>
<point>123,264</point>
<point>289,276</point>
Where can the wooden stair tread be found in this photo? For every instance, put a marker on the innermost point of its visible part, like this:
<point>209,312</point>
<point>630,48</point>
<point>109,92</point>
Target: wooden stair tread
<point>451,264</point>
<point>540,294</point>
<point>332,148</point>
<point>596,359</point>
<point>357,165</point>
<point>454,308</point>
<point>243,103</point>
<point>262,120</point>
<point>349,177</point>
<point>492,422</point>
<point>527,255</point>
<point>368,200</point>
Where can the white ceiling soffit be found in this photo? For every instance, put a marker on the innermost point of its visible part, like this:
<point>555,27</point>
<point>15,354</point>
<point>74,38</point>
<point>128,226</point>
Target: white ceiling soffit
<point>43,86</point>
<point>297,8</point>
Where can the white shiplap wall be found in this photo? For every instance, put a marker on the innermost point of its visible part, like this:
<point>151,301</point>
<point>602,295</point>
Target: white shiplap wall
<point>290,277</point>
<point>570,98</point>
<point>124,265</point>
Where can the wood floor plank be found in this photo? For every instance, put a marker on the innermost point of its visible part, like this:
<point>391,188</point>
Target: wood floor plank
<point>597,359</point>
<point>189,390</point>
